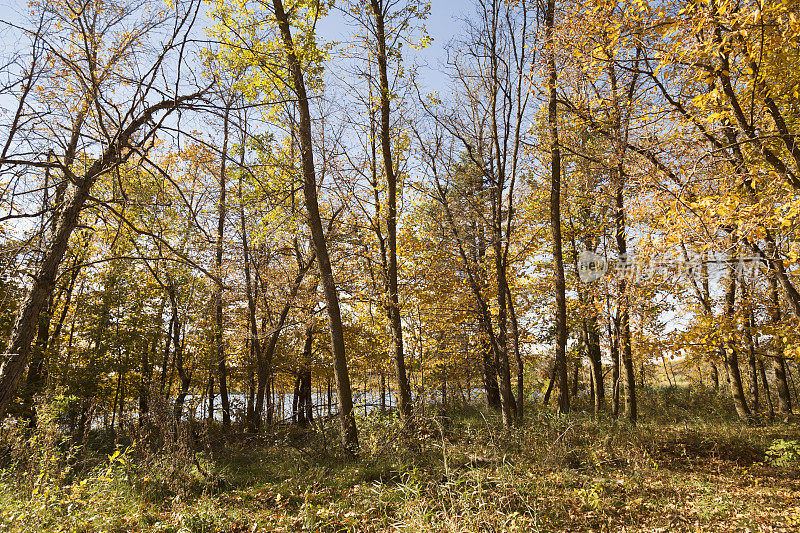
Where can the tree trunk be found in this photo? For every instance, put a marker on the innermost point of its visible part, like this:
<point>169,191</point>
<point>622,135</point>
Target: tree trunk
<point>304,406</point>
<point>383,393</point>
<point>627,363</point>
<point>549,391</point>
<point>575,378</point>
<point>614,340</point>
<point>30,310</point>
<point>714,375</point>
<point>507,402</point>
<point>210,392</point>
<point>778,362</point>
<point>308,402</point>
<point>297,415</point>
<point>751,360</point>
<point>147,373</point>
<point>590,333</point>
<point>489,372</point>
<point>555,216</point>
<point>765,386</point>
<point>395,323</point>
<point>36,368</point>
<point>730,355</point>
<point>517,357</point>
<point>179,363</point>
<point>251,397</point>
<point>222,367</point>
<point>596,361</point>
<point>347,419</point>
<point>624,314</point>
<point>265,354</point>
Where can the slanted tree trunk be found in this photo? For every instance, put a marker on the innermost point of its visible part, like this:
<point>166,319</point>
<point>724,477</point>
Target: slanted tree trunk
<point>37,367</point>
<point>349,433</point>
<point>19,343</point>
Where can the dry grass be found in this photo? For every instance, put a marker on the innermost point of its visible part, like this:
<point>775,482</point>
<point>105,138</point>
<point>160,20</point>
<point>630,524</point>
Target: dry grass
<point>685,468</point>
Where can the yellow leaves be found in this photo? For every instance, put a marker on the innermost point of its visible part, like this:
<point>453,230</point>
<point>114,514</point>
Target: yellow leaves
<point>422,43</point>
<point>250,42</point>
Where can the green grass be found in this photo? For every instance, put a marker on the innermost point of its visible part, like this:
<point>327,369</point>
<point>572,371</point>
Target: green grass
<point>684,468</point>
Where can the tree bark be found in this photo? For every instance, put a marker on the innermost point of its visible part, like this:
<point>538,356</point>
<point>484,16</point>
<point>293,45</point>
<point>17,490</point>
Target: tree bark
<point>751,359</point>
<point>489,370</point>
<point>555,216</point>
<point>715,375</point>
<point>624,315</point>
<point>575,377</point>
<point>395,323</point>
<point>595,359</point>
<point>730,353</point>
<point>222,367</point>
<point>614,342</point>
<point>183,375</point>
<point>765,386</point>
<point>778,362</point>
<point>591,335</point>
<point>346,415</point>
<point>517,357</point>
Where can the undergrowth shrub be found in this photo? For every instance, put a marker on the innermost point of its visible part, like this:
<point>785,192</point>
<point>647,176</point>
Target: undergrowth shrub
<point>783,453</point>
<point>453,468</point>
<point>52,480</point>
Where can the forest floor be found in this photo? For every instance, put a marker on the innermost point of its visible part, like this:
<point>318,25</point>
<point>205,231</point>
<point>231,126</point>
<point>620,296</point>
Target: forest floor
<point>682,468</point>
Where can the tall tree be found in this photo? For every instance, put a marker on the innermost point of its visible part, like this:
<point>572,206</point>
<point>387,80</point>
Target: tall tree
<point>560,369</point>
<point>380,11</point>
<point>219,327</point>
<point>346,416</point>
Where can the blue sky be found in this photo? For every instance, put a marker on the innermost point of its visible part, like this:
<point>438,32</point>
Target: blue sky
<point>442,25</point>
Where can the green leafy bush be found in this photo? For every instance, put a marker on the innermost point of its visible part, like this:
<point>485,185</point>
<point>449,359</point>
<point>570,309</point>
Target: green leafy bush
<point>783,453</point>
